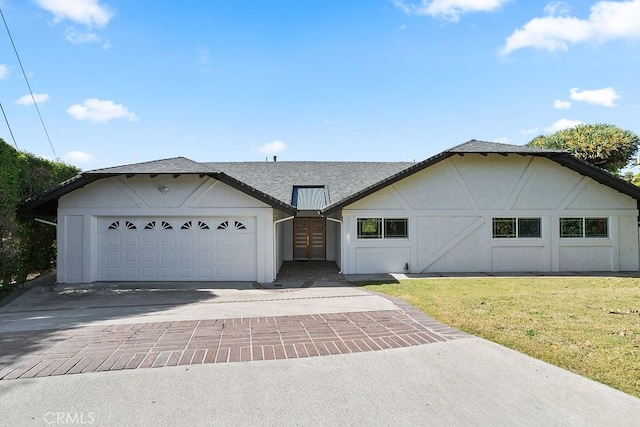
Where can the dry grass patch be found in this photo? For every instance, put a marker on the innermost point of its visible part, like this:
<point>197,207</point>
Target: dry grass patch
<point>590,326</point>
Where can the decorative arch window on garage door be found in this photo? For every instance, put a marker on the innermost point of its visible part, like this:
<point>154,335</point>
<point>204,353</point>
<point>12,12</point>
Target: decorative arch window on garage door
<point>201,225</point>
<point>175,224</point>
<point>126,224</point>
<point>225,225</point>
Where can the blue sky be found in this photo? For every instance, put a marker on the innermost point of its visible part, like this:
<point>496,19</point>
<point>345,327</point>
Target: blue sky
<point>374,80</point>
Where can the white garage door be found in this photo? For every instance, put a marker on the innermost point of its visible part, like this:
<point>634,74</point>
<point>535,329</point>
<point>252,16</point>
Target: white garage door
<point>165,249</point>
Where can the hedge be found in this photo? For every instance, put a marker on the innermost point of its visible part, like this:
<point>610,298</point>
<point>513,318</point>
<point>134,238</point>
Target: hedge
<point>26,246</point>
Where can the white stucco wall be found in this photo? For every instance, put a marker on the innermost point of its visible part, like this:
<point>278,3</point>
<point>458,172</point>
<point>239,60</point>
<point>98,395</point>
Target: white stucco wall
<point>450,207</point>
<point>139,196</point>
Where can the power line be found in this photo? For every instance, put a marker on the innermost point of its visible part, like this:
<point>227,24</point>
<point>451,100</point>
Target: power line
<point>9,126</point>
<point>26,79</point>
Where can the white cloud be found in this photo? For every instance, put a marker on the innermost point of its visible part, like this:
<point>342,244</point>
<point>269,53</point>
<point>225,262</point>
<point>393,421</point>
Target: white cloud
<point>87,12</point>
<point>449,10</point>
<point>40,98</point>
<point>272,147</point>
<point>502,140</point>
<point>561,105</point>
<point>529,131</point>
<point>78,37</point>
<point>332,122</point>
<point>605,97</point>
<point>607,21</point>
<point>557,8</point>
<point>562,124</point>
<point>98,110</point>
<point>4,72</point>
<point>77,157</point>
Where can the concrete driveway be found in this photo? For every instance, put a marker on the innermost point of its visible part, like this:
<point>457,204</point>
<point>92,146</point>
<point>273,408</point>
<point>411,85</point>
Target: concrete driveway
<point>384,362</point>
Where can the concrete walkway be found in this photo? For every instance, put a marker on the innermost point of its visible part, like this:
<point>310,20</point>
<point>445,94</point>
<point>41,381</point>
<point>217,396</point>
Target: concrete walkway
<point>384,362</point>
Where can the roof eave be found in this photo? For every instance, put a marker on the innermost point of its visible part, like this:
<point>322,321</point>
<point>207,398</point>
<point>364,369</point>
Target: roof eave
<point>47,203</point>
<point>597,174</point>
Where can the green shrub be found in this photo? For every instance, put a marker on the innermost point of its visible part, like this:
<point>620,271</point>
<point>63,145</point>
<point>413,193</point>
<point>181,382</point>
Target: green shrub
<point>26,246</point>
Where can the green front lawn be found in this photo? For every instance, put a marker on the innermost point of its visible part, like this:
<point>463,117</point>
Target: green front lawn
<point>590,326</point>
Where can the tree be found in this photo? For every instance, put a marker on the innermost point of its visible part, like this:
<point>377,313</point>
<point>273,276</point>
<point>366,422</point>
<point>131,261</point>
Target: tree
<point>603,145</point>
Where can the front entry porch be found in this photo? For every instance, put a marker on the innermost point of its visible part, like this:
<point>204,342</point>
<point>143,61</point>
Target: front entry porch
<point>304,271</point>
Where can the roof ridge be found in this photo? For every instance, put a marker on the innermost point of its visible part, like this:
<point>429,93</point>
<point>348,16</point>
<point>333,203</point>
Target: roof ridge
<point>499,147</point>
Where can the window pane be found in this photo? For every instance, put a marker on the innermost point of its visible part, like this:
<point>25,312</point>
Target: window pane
<point>369,228</point>
<point>504,227</point>
<point>571,227</point>
<point>396,227</point>
<point>596,227</point>
<point>528,227</point>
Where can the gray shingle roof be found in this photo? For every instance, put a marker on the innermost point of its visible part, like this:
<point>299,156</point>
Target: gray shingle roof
<point>475,146</point>
<point>176,165</point>
<point>341,179</point>
<point>345,182</point>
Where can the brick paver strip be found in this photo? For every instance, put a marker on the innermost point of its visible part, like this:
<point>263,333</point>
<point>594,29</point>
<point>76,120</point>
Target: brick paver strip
<point>145,345</point>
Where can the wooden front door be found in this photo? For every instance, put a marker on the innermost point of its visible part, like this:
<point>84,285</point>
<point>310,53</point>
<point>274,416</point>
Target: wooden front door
<point>309,239</point>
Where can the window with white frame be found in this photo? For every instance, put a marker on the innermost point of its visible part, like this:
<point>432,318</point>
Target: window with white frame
<point>584,227</point>
<point>383,228</point>
<point>511,228</point>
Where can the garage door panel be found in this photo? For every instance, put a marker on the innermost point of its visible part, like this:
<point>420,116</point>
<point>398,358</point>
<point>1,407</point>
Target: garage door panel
<point>241,257</point>
<point>167,256</point>
<point>186,273</point>
<point>204,273</point>
<point>112,273</point>
<point>149,241</point>
<point>186,241</point>
<point>223,256</point>
<point>131,240</point>
<point>131,256</point>
<point>223,273</point>
<point>240,241</point>
<point>149,273</point>
<point>186,256</point>
<point>167,241</point>
<point>131,273</point>
<point>149,256</point>
<point>205,241</point>
<point>113,241</point>
<point>222,241</point>
<point>162,249</point>
<point>167,273</point>
<point>113,256</point>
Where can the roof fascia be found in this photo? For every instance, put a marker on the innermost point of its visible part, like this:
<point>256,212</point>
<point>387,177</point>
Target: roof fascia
<point>47,203</point>
<point>599,175</point>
